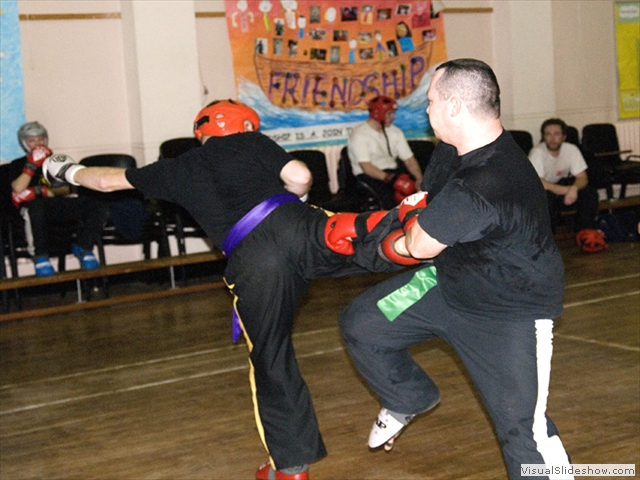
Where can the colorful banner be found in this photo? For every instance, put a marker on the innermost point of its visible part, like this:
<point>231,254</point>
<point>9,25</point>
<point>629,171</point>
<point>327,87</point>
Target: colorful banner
<point>628,50</point>
<point>309,67</point>
<point>12,113</point>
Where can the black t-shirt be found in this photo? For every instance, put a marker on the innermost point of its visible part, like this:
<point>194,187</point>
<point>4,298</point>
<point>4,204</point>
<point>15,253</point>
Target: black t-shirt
<point>488,206</point>
<point>219,182</point>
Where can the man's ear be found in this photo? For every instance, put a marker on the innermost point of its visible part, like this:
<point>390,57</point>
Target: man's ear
<point>455,105</point>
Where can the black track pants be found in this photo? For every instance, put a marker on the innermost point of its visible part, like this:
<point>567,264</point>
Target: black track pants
<point>268,273</point>
<point>509,362</point>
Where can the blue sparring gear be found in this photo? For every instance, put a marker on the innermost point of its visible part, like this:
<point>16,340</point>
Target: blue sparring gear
<point>43,266</point>
<point>87,259</point>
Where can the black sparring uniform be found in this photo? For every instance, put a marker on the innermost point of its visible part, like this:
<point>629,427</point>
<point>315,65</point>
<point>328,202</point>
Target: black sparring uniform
<point>268,272</point>
<point>492,295</point>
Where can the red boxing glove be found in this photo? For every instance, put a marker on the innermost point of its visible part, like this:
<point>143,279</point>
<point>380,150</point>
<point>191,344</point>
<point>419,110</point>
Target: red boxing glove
<point>342,229</point>
<point>35,158</point>
<point>410,208</point>
<point>339,232</point>
<point>403,186</point>
<point>388,250</point>
<point>27,195</point>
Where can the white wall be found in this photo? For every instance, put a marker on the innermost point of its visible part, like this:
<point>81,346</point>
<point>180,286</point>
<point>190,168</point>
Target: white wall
<point>551,57</point>
<point>584,58</point>
<point>74,82</point>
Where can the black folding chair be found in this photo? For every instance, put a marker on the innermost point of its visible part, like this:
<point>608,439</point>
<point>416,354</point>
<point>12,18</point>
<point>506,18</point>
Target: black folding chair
<point>422,150</point>
<point>600,143</point>
<point>524,140</point>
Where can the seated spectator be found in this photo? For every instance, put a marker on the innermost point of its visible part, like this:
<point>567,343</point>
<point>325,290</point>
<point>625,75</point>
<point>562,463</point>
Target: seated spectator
<point>41,205</point>
<point>374,147</point>
<point>563,172</point>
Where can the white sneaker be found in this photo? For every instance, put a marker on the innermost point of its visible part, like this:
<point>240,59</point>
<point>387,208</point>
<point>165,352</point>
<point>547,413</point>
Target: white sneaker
<point>385,429</point>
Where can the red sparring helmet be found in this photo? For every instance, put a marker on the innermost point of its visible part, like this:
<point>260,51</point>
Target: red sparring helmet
<point>379,106</point>
<point>590,240</point>
<point>225,117</point>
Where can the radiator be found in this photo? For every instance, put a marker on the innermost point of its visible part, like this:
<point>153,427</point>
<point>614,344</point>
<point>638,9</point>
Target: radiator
<point>629,136</point>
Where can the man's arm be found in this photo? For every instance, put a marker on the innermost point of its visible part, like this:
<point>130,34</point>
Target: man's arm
<point>102,179</point>
<point>417,242</point>
<point>370,170</point>
<point>21,182</point>
<point>555,187</point>
<point>579,183</point>
<point>569,192</point>
<point>581,180</point>
<point>420,244</point>
<point>296,177</point>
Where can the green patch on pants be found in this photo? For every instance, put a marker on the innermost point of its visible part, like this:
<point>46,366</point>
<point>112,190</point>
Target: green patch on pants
<point>404,297</point>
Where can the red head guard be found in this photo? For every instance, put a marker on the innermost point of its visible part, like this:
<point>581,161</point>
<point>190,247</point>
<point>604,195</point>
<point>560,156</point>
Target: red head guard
<point>591,241</point>
<point>379,106</point>
<point>225,117</point>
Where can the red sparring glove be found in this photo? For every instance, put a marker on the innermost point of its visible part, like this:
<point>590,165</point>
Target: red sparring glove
<point>27,195</point>
<point>35,158</point>
<point>342,229</point>
<point>388,250</point>
<point>410,208</point>
<point>591,240</point>
<point>403,186</point>
<point>408,212</point>
<point>339,231</point>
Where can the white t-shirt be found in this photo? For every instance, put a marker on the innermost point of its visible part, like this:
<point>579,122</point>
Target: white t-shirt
<point>568,162</point>
<point>368,145</point>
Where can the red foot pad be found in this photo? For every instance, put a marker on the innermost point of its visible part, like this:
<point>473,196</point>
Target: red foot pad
<point>265,472</point>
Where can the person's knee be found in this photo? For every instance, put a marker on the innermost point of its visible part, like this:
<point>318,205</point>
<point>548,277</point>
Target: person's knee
<point>345,322</point>
<point>350,321</point>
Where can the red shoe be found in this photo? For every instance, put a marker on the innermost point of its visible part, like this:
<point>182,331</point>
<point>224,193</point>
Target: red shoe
<point>265,472</point>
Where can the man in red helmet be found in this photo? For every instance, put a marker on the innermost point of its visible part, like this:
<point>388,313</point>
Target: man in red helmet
<point>244,191</point>
<point>374,149</point>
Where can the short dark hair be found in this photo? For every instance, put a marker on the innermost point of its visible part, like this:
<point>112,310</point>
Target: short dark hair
<point>474,82</point>
<point>553,121</point>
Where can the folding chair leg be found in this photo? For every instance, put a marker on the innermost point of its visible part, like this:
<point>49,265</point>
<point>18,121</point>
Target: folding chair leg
<point>623,190</point>
<point>609,192</point>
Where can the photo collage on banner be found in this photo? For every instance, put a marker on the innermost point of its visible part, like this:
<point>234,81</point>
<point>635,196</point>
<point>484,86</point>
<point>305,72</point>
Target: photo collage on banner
<point>310,67</point>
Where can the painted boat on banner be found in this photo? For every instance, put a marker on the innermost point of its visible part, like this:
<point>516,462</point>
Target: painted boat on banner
<point>319,85</point>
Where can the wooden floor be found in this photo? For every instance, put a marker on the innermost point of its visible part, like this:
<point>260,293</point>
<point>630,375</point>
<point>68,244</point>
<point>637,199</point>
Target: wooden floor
<point>156,390</point>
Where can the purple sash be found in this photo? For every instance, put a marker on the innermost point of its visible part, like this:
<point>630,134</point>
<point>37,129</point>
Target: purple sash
<point>253,218</point>
<point>241,230</point>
